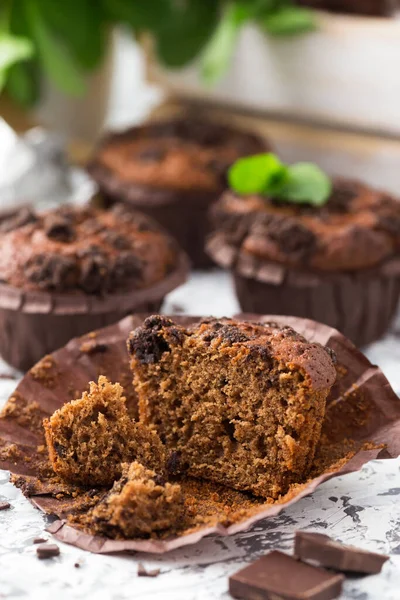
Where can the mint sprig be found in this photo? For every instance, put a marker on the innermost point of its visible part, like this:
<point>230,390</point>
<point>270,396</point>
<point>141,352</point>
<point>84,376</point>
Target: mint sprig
<point>265,174</point>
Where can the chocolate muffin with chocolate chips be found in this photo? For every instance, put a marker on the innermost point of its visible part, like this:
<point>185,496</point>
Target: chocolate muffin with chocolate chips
<point>338,263</point>
<point>172,170</point>
<point>72,270</point>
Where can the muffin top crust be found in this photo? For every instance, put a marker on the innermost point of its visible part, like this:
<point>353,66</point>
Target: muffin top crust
<point>84,250</point>
<point>177,154</point>
<point>269,340</point>
<point>359,227</point>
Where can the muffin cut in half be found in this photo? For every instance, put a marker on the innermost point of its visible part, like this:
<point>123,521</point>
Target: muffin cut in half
<point>240,403</point>
<point>89,439</point>
<point>138,504</point>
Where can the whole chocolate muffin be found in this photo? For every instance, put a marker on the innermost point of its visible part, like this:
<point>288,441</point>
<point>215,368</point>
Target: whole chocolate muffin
<point>360,7</point>
<point>172,170</point>
<point>338,263</point>
<point>71,270</point>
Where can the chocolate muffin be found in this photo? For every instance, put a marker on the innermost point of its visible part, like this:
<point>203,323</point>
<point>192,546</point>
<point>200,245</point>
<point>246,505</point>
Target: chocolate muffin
<point>358,7</point>
<point>172,170</point>
<point>338,263</point>
<point>238,403</point>
<point>72,270</point>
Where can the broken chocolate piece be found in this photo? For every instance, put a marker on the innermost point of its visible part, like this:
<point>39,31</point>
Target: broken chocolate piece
<point>5,505</point>
<point>278,575</point>
<point>39,540</point>
<point>143,572</point>
<point>329,553</point>
<point>47,551</point>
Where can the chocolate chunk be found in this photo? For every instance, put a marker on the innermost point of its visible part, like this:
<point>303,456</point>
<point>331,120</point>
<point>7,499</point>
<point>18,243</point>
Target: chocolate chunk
<point>143,572</point>
<point>151,154</point>
<point>278,575</point>
<point>126,269</point>
<point>329,553</point>
<point>47,550</point>
<point>228,333</point>
<point>59,229</point>
<point>5,505</point>
<point>94,273</point>
<point>174,465</point>
<point>52,272</point>
<point>342,195</point>
<point>77,565</point>
<point>148,346</point>
<point>157,322</point>
<point>116,240</point>
<point>39,540</point>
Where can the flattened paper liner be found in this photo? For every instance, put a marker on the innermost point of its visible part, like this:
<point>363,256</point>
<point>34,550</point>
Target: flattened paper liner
<point>362,407</point>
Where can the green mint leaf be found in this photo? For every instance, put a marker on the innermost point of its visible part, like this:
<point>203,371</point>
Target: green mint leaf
<point>14,49</point>
<point>259,174</point>
<point>219,51</point>
<point>290,20</point>
<point>306,184</point>
<point>55,57</point>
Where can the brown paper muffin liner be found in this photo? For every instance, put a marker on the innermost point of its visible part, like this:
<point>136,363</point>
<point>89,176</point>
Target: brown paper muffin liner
<point>362,423</point>
<point>361,305</point>
<point>33,324</point>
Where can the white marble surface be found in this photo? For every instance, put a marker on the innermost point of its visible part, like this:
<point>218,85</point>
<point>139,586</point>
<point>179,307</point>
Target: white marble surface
<point>361,509</point>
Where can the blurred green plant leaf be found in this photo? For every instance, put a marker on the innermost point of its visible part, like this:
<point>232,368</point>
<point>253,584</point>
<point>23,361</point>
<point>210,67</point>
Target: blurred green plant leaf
<point>190,25</point>
<point>23,83</point>
<point>290,20</point>
<point>80,26</point>
<point>55,57</point>
<point>13,49</point>
<point>219,51</point>
<point>141,15</point>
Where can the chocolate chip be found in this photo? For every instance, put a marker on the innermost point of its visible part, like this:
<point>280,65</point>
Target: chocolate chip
<point>24,216</point>
<point>142,572</point>
<point>116,240</point>
<point>5,505</point>
<point>157,322</point>
<point>389,222</point>
<point>228,333</point>
<point>39,540</point>
<point>151,154</point>
<point>77,565</point>
<point>60,450</point>
<point>332,354</point>
<point>94,273</point>
<point>52,271</point>
<point>59,229</point>
<point>47,551</point>
<point>126,269</point>
<point>159,480</point>
<point>174,464</point>
<point>147,346</point>
<point>291,237</point>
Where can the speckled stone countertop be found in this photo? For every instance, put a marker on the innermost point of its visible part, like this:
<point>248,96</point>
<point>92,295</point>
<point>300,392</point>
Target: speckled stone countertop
<point>361,509</point>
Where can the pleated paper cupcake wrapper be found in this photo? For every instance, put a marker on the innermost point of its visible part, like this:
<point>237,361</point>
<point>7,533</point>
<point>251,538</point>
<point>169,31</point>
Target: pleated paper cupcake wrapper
<point>33,324</point>
<point>361,305</point>
<point>362,406</point>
